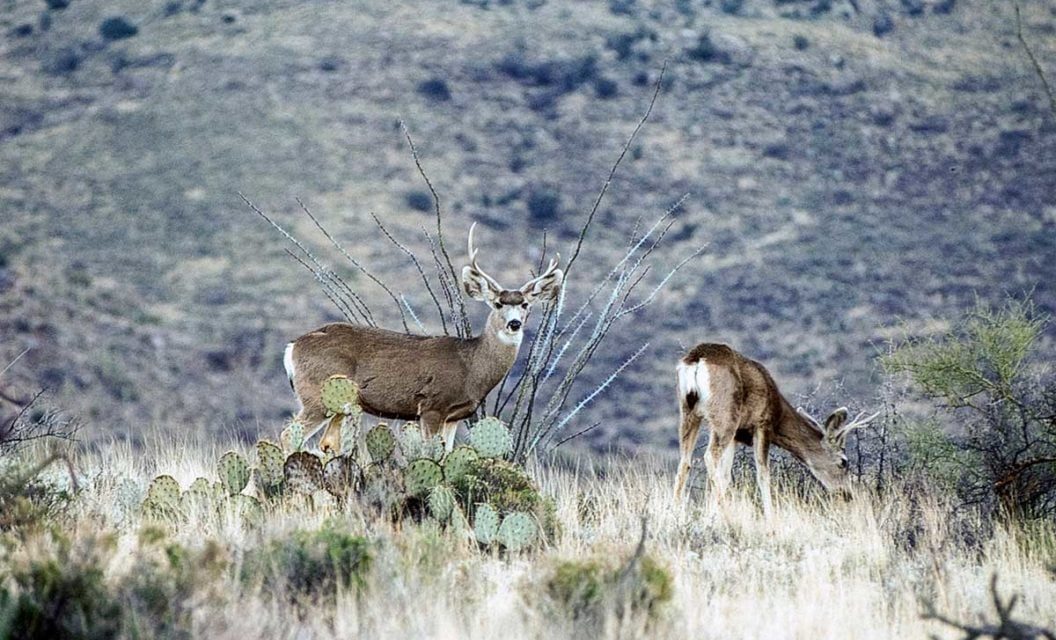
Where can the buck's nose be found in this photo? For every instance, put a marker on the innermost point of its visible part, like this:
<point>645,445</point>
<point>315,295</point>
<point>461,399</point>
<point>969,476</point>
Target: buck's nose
<point>514,325</point>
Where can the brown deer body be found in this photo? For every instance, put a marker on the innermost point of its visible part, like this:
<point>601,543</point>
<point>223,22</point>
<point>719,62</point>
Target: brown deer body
<point>741,403</point>
<point>439,380</point>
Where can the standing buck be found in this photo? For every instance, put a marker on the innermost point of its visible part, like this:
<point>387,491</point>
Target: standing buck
<point>437,379</point>
<point>741,403</point>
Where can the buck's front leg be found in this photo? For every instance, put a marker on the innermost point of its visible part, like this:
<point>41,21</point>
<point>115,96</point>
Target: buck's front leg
<point>432,423</point>
<point>448,434</point>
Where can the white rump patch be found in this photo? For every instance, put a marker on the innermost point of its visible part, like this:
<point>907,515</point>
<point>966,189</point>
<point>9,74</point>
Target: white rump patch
<point>694,378</point>
<point>287,361</point>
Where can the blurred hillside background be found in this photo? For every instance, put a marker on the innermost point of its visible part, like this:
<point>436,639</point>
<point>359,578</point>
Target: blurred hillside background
<point>855,168</point>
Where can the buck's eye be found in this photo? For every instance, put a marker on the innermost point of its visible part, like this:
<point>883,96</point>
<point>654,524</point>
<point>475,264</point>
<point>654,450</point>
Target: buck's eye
<point>524,305</point>
<point>843,464</point>
<point>498,305</point>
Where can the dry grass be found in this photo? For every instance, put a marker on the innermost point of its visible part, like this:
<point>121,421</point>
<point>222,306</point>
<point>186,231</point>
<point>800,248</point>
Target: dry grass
<point>819,570</point>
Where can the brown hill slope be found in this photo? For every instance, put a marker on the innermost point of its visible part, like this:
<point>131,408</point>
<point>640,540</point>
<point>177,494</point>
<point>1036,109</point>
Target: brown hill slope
<point>843,180</point>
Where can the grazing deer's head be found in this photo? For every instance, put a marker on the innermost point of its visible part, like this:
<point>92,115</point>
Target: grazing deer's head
<point>829,463</point>
<point>509,308</point>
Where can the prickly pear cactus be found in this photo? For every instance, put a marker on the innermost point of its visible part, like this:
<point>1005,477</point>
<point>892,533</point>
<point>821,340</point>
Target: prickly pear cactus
<point>491,438</point>
<point>292,437</point>
<point>198,499</point>
<point>340,395</point>
<point>485,523</point>
<point>269,464</point>
<point>163,500</point>
<point>412,445</point>
<point>127,499</point>
<point>458,463</point>
<point>517,531</point>
<point>421,475</point>
<point>380,443</point>
<point>234,472</point>
<point>247,508</point>
<point>164,491</point>
<point>441,502</point>
<point>382,487</point>
<point>303,472</point>
<point>350,427</point>
<point>340,476</point>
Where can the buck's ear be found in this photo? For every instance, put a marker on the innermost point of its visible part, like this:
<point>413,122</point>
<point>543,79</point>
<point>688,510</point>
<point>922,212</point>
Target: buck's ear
<point>545,287</point>
<point>835,421</point>
<point>475,285</point>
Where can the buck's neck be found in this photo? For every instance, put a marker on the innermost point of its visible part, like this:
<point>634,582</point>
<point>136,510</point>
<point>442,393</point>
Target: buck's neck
<point>797,436</point>
<point>492,357</point>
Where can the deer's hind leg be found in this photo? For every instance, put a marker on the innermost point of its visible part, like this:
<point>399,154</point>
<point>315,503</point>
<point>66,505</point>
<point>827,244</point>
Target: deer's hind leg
<point>719,461</point>
<point>688,433</point>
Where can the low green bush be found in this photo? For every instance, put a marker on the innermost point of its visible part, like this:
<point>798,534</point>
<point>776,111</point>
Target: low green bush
<point>312,564</point>
<point>587,592</point>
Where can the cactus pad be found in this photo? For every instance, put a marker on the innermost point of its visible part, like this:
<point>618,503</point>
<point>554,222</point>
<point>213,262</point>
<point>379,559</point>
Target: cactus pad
<point>164,491</point>
<point>441,502</point>
<point>304,472</point>
<point>350,427</point>
<point>412,445</point>
<point>485,523</point>
<point>380,443</point>
<point>517,531</point>
<point>269,463</point>
<point>458,463</point>
<point>292,437</point>
<point>233,471</point>
<point>421,475</point>
<point>247,507</point>
<point>340,395</point>
<point>382,487</point>
<point>340,475</point>
<point>491,438</point>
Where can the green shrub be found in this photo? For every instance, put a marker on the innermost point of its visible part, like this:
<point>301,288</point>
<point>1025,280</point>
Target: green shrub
<point>117,28</point>
<point>29,502</point>
<point>544,204</point>
<point>312,564</point>
<point>1000,444</point>
<point>435,89</point>
<point>159,590</point>
<point>419,200</point>
<point>587,592</point>
<point>59,596</point>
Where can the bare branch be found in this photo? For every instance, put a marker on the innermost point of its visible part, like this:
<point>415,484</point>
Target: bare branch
<point>615,166</point>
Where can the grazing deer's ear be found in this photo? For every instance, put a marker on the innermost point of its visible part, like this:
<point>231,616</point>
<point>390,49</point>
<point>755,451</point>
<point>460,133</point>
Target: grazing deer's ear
<point>835,421</point>
<point>477,285</point>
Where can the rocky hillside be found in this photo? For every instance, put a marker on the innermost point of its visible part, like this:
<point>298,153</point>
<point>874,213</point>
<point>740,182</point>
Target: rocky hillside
<point>851,166</point>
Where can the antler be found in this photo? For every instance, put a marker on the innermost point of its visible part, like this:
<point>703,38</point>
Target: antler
<point>473,261</point>
<point>858,422</point>
<point>550,269</point>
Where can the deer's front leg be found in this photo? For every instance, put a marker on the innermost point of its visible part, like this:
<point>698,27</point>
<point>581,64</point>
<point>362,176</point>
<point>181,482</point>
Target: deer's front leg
<point>448,434</point>
<point>432,423</point>
<point>762,471</point>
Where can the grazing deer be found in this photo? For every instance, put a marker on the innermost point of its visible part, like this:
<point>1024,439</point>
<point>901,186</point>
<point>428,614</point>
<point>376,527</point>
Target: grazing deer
<point>437,379</point>
<point>741,403</point>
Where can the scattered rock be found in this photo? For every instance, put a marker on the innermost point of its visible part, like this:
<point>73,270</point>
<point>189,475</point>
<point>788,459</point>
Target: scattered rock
<point>21,31</point>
